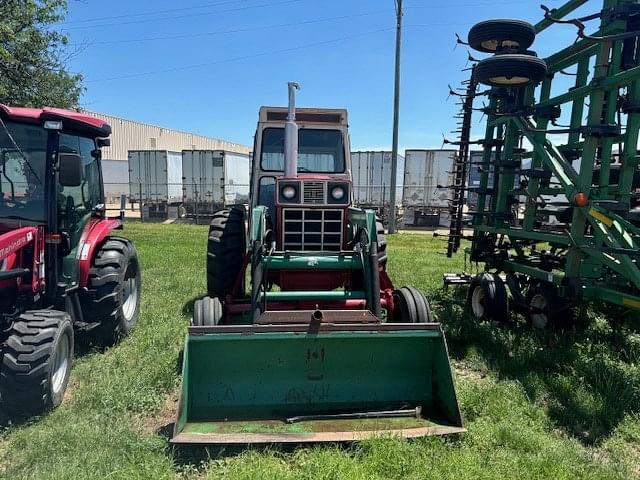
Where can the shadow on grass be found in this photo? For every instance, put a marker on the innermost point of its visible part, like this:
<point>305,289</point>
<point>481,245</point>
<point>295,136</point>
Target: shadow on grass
<point>588,378</point>
<point>187,455</point>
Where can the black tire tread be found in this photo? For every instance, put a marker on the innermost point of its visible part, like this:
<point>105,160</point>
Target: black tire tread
<point>226,249</point>
<point>501,29</point>
<point>382,244</point>
<point>508,65</point>
<point>103,300</point>
<point>496,292</point>
<point>425,315</point>
<point>25,355</point>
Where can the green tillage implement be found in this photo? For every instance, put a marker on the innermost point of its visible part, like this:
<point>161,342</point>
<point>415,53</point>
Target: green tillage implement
<point>245,384</point>
<point>587,178</point>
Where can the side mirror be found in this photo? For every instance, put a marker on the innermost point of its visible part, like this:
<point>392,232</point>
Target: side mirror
<point>70,169</point>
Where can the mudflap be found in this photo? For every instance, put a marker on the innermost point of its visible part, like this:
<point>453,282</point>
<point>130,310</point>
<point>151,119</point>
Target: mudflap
<point>300,383</point>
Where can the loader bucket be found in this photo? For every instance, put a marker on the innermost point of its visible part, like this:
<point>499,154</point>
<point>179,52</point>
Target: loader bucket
<point>279,384</point>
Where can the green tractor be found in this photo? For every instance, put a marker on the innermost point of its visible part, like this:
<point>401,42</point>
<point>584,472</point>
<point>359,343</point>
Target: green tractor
<point>319,345</point>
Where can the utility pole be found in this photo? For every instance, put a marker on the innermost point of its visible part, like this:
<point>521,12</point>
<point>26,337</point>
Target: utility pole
<point>396,115</point>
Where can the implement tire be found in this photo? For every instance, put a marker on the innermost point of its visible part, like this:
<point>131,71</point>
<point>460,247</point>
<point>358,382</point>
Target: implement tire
<point>492,35</point>
<point>511,70</point>
<point>225,250</point>
<point>113,297</point>
<point>36,363</point>
<point>488,298</point>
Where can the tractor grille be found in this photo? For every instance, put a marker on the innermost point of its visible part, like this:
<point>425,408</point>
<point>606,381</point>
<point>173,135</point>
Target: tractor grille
<point>317,230</point>
<point>313,192</point>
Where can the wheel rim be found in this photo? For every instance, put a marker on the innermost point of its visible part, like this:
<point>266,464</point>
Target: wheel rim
<point>477,302</point>
<point>539,319</point>
<point>60,364</point>
<point>129,295</point>
<point>494,44</point>
<point>515,80</point>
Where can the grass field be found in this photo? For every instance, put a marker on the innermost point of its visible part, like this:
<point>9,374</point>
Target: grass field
<point>536,405</point>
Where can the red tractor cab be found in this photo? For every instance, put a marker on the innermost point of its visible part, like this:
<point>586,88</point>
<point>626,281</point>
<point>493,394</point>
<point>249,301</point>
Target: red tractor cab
<point>61,270</point>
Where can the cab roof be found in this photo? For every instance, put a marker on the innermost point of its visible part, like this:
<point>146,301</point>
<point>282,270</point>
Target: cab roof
<point>70,120</point>
<point>323,116</point>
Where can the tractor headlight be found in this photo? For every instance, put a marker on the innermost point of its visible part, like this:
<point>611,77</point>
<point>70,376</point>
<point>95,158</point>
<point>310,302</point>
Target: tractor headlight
<point>289,192</point>
<point>337,193</point>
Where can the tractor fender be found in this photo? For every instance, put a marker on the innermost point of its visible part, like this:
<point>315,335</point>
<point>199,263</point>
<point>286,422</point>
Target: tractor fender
<point>93,236</point>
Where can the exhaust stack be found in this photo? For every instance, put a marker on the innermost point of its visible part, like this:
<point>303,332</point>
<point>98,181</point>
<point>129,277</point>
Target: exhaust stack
<point>291,135</point>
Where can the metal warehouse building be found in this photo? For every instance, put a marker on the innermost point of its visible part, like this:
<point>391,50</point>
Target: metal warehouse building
<point>131,135</point>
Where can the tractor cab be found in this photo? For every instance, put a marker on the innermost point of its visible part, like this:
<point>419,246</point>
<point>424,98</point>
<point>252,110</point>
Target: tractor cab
<point>60,270</point>
<point>313,193</point>
<point>58,198</point>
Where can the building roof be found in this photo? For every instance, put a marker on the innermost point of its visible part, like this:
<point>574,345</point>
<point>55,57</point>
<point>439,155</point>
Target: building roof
<point>132,135</point>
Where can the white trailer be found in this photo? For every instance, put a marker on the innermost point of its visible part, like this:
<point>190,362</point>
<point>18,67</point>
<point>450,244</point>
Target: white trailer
<point>155,182</point>
<point>372,178</point>
<point>426,196</point>
<point>213,179</point>
<point>115,177</point>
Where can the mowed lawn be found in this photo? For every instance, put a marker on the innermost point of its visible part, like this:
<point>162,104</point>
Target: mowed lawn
<point>536,405</point>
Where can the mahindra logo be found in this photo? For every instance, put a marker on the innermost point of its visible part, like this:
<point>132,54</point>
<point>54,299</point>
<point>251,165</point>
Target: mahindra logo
<point>12,247</point>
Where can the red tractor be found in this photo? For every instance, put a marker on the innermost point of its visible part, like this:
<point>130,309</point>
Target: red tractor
<point>60,269</point>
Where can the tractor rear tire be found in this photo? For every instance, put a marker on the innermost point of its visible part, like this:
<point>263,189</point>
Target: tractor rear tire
<point>382,244</point>
<point>207,312</point>
<point>36,363</point>
<point>511,70</point>
<point>491,35</point>
<point>488,299</point>
<point>411,306</point>
<point>114,286</point>
<point>225,251</point>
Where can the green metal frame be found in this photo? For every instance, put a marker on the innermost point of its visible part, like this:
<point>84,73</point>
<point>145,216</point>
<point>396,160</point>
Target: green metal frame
<point>599,249</point>
<point>242,381</point>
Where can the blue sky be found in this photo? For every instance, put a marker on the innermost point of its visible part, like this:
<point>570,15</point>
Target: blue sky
<point>225,58</point>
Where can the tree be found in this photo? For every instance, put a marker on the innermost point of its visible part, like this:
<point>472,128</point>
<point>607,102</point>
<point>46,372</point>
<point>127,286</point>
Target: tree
<point>33,55</point>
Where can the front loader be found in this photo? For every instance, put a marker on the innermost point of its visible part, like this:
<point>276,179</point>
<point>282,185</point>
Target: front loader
<point>319,345</point>
<point>61,269</point>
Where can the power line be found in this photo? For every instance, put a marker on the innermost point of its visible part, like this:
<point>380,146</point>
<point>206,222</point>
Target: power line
<point>239,30</point>
<point>244,57</point>
<point>455,5</point>
<point>154,12</point>
<point>190,15</point>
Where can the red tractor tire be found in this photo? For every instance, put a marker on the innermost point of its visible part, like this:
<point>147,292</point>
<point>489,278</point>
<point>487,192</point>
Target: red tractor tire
<point>113,290</point>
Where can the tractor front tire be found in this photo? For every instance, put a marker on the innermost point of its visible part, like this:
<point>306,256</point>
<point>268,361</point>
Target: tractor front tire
<point>207,312</point>
<point>225,251</point>
<point>113,298</point>
<point>36,363</point>
<point>411,306</point>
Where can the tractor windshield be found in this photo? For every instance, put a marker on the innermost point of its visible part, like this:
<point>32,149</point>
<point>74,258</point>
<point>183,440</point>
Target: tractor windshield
<point>22,171</point>
<point>319,151</point>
